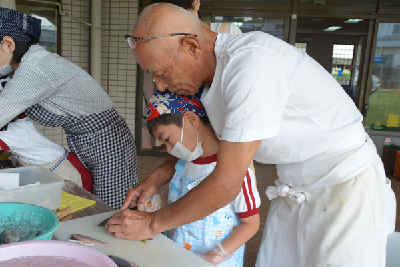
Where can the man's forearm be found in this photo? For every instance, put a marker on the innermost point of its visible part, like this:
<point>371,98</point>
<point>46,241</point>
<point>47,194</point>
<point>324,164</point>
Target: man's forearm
<point>213,193</point>
<point>210,195</point>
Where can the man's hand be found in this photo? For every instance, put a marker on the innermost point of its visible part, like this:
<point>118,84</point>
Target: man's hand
<point>138,195</point>
<point>131,225</point>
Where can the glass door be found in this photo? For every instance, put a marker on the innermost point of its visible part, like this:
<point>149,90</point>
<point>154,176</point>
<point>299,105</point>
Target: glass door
<point>337,45</point>
<point>384,95</point>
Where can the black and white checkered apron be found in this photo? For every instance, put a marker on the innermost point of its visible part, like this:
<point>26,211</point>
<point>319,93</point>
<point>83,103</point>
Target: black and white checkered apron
<point>104,144</point>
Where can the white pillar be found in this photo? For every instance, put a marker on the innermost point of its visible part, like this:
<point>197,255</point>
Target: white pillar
<point>96,41</point>
<point>8,4</point>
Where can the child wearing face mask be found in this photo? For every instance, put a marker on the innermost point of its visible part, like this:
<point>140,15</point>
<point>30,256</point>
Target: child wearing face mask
<point>182,124</point>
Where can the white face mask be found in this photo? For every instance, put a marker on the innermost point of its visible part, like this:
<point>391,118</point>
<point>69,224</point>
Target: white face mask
<point>6,69</point>
<point>180,151</point>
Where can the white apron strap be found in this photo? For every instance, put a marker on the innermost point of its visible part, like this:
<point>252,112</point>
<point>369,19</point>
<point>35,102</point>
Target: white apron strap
<point>356,163</point>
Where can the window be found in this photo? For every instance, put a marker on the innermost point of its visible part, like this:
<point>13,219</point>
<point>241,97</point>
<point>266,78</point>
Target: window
<point>301,46</point>
<point>383,112</point>
<point>342,63</point>
<point>48,16</point>
<point>248,24</point>
<point>205,18</point>
<point>396,29</point>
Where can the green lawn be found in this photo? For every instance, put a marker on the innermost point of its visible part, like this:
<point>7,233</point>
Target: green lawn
<point>380,106</point>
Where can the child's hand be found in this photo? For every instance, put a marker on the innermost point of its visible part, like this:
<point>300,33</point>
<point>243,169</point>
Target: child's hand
<point>215,256</point>
<point>138,195</point>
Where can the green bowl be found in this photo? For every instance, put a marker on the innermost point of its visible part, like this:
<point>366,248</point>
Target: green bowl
<point>17,210</point>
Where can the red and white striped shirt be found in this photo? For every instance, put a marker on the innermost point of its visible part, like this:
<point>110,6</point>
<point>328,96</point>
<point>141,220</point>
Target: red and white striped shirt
<point>248,201</point>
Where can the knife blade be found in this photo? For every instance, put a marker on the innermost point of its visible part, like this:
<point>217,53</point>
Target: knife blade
<point>104,223</point>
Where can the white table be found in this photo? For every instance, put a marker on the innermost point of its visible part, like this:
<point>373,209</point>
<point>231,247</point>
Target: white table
<point>160,251</point>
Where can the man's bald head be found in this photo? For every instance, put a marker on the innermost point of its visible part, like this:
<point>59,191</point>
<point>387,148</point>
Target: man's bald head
<point>180,63</point>
<point>164,18</point>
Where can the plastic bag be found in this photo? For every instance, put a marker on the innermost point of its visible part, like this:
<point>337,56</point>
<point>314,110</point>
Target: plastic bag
<point>216,255</point>
<point>155,203</point>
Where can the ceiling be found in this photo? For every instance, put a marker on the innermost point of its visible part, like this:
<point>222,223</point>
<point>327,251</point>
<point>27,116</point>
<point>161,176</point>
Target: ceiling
<point>317,26</point>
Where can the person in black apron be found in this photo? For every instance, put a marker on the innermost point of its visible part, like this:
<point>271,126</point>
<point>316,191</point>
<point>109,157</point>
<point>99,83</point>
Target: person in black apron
<point>55,92</point>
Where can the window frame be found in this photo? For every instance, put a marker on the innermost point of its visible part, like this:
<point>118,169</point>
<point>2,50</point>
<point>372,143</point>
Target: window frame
<point>290,12</point>
<point>48,4</point>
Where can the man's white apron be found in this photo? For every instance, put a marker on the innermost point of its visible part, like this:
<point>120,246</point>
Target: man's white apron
<point>341,219</point>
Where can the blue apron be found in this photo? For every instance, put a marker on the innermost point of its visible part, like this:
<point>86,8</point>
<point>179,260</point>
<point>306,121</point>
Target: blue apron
<point>203,235</point>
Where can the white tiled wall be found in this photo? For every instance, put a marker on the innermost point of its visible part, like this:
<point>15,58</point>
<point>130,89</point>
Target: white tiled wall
<point>118,66</point>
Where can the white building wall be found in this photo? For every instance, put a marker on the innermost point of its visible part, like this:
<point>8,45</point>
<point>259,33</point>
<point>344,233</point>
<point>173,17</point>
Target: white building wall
<point>118,65</point>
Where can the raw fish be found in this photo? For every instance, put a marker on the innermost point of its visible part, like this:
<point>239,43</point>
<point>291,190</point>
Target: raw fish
<point>9,236</point>
<point>120,262</point>
<point>86,240</point>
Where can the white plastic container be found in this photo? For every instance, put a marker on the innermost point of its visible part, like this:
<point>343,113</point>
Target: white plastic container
<point>47,194</point>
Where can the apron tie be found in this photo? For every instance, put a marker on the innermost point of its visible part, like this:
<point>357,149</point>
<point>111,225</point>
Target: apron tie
<point>353,165</point>
<point>60,161</point>
<point>285,190</point>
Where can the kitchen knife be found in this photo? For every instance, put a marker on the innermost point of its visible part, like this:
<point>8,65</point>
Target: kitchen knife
<point>104,223</point>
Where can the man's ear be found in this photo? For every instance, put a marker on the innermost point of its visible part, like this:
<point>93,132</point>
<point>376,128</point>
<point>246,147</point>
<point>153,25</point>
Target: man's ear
<point>8,44</point>
<point>192,46</point>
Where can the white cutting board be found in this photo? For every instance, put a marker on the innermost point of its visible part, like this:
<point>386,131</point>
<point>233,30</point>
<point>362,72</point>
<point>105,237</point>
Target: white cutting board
<point>160,251</point>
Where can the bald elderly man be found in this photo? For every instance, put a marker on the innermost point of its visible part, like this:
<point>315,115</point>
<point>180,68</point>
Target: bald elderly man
<point>269,101</point>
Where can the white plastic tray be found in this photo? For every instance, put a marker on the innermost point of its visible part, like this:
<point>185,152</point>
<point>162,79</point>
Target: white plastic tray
<point>47,195</point>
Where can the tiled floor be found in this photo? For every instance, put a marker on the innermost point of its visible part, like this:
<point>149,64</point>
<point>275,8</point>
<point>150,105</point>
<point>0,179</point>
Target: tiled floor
<point>266,175</point>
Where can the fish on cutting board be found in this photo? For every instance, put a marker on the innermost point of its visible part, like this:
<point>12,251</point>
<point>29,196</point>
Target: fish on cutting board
<point>86,240</point>
<point>104,223</point>
<point>168,253</point>
<point>120,262</point>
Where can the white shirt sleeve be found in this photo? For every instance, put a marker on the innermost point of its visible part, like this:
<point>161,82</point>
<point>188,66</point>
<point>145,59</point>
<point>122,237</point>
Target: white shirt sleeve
<point>246,204</point>
<point>255,93</point>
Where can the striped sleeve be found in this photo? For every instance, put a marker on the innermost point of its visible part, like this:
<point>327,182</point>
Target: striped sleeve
<point>246,204</point>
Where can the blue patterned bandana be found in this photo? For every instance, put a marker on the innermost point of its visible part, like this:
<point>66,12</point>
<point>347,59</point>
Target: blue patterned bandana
<point>167,102</point>
<point>19,26</point>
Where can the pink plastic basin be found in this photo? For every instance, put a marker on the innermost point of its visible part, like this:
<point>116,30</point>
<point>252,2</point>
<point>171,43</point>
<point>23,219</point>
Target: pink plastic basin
<point>55,248</point>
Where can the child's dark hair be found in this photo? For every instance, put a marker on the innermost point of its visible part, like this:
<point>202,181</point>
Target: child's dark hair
<point>168,119</point>
<point>20,49</point>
